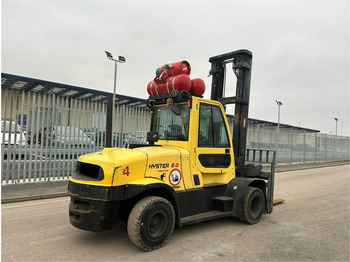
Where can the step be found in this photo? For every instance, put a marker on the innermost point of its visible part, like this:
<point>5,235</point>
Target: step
<point>214,185</point>
<point>223,203</point>
<point>204,217</point>
<point>223,198</point>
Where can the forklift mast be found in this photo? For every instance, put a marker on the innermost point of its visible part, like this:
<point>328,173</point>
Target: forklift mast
<point>242,65</point>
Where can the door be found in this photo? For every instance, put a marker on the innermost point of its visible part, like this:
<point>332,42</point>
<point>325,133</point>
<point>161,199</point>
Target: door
<point>214,151</point>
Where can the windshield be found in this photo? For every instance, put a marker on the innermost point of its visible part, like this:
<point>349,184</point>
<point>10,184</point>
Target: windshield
<point>169,125</point>
<point>6,128</point>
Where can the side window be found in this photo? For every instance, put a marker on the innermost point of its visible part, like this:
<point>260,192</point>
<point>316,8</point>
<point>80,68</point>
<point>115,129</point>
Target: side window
<point>212,129</point>
<point>205,138</point>
<point>219,129</point>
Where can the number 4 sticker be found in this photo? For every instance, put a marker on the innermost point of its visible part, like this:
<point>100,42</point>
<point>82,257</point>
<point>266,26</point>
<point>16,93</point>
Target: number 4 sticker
<point>126,171</point>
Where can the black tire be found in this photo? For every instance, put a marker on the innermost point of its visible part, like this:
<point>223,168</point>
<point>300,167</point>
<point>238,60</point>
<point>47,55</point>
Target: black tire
<point>151,223</point>
<point>253,205</point>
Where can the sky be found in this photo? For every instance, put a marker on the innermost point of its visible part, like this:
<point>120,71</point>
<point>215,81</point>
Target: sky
<point>300,49</point>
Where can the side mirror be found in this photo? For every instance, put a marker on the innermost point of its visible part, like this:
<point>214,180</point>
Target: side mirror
<point>150,104</point>
<point>152,137</point>
<point>176,110</point>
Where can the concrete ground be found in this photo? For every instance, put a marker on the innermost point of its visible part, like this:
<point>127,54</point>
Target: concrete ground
<point>311,225</point>
<point>57,188</point>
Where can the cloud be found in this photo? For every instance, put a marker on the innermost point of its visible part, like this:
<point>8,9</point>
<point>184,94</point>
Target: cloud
<point>300,48</point>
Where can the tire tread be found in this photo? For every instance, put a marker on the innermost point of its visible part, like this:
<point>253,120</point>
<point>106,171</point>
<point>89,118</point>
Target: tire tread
<point>245,216</point>
<point>135,217</point>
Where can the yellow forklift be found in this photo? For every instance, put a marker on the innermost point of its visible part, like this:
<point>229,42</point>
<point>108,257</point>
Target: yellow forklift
<point>190,171</point>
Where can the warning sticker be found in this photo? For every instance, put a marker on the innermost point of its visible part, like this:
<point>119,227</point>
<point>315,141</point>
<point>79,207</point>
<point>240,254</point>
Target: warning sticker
<point>175,177</point>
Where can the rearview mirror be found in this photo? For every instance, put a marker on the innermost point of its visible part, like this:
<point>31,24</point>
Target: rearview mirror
<point>176,110</point>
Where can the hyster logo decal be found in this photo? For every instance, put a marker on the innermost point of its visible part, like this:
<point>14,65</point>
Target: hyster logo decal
<point>157,166</point>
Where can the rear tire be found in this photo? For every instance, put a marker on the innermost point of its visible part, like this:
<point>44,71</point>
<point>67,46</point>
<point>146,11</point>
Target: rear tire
<point>253,205</point>
<point>151,223</point>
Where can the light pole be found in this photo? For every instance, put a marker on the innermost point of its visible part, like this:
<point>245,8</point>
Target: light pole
<point>110,116</point>
<point>279,103</point>
<point>121,59</point>
<point>336,126</point>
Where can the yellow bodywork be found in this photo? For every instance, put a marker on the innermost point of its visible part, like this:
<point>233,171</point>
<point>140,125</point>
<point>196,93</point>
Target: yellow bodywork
<point>170,162</point>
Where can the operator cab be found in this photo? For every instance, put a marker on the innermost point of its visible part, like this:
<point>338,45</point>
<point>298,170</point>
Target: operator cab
<point>200,127</point>
<point>170,117</point>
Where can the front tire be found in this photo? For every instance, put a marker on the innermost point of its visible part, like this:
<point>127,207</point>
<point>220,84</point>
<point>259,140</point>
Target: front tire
<point>253,205</point>
<point>151,223</point>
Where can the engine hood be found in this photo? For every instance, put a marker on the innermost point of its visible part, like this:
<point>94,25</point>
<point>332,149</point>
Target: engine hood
<point>160,156</point>
<point>163,161</point>
<point>122,165</point>
<point>111,161</point>
<point>110,156</point>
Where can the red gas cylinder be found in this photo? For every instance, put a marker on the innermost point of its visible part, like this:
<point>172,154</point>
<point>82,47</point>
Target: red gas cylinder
<point>197,87</point>
<point>178,82</point>
<point>177,68</point>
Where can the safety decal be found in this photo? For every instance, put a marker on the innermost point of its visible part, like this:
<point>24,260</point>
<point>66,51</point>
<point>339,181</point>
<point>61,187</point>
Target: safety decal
<point>175,177</point>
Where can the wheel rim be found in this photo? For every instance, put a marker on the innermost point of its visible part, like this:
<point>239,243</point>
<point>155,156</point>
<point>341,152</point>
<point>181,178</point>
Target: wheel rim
<point>157,224</point>
<point>255,207</point>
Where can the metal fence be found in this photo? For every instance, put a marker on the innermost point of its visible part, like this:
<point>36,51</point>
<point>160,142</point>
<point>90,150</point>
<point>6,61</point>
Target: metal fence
<point>298,146</point>
<point>42,136</point>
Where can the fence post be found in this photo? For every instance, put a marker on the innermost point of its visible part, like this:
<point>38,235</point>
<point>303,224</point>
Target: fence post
<point>257,136</point>
<point>348,148</point>
<point>291,146</point>
<point>325,147</point>
<point>4,117</point>
<point>304,148</point>
<point>315,147</point>
<point>341,148</point>
<point>334,157</point>
<point>26,154</point>
<point>21,120</point>
<point>53,114</point>
<point>121,127</point>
